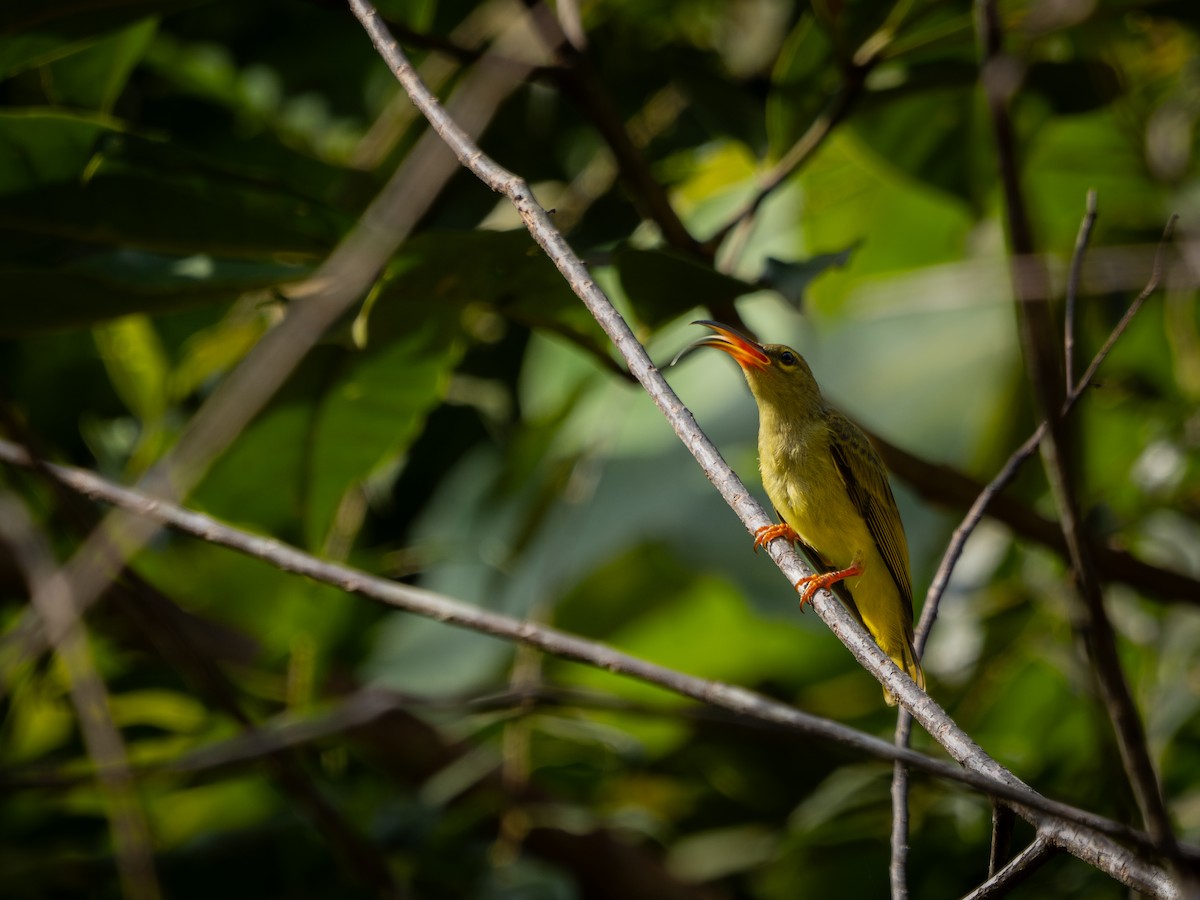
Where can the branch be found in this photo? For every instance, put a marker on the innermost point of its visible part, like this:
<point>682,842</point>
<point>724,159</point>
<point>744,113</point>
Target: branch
<point>864,649</point>
<point>958,540</point>
<point>1081,832</point>
<point>1024,864</point>
<point>800,152</point>
<point>50,594</point>
<point>1008,471</point>
<point>178,640</point>
<point>950,487</point>
<point>577,78</point>
<point>1036,332</point>
<point>1081,243</point>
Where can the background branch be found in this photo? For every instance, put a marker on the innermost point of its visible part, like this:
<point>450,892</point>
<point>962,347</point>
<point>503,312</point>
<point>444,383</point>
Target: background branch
<point>1036,329</point>
<point>51,598</point>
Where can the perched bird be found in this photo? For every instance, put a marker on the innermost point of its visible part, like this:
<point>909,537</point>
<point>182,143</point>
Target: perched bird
<point>829,487</point>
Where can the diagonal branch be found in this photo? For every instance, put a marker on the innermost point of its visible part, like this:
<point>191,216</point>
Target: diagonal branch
<point>1020,867</point>
<point>50,594</point>
<point>1036,329</point>
<point>578,79</point>
<point>958,540</point>
<point>1081,832</point>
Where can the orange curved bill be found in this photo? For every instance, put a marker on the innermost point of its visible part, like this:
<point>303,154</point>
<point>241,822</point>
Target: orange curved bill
<point>747,353</point>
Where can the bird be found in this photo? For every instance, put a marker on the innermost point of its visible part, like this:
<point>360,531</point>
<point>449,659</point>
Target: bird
<point>830,490</point>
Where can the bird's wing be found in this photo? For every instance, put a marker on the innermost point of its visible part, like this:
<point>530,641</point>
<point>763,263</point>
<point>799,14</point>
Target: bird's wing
<point>866,482</point>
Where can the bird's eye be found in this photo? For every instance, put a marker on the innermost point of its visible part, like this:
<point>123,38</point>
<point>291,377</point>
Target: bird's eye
<point>788,358</point>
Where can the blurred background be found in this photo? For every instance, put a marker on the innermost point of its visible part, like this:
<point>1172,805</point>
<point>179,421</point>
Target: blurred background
<point>169,169</point>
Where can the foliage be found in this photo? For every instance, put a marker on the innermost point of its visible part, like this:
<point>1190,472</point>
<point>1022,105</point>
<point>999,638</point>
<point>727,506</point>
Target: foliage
<point>169,171</point>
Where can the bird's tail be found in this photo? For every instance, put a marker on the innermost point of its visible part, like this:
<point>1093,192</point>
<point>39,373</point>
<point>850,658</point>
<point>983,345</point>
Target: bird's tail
<point>905,657</point>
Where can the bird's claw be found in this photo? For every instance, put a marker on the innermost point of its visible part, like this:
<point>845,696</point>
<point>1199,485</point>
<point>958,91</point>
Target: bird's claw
<point>809,585</point>
<point>768,533</point>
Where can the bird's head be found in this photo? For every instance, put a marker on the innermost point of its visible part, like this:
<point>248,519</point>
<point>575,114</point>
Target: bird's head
<point>778,376</point>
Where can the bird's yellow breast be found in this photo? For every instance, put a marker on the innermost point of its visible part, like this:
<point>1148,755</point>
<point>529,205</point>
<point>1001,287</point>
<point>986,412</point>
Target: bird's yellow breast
<point>804,485</point>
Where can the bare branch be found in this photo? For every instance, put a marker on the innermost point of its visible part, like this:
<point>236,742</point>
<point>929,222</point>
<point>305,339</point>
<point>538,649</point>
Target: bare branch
<point>579,80</point>
<point>1081,242</point>
<point>954,550</point>
<point>1036,330</point>
<point>1020,867</point>
<point>799,153</point>
<point>1081,832</point>
<point>51,596</point>
<point>898,866</point>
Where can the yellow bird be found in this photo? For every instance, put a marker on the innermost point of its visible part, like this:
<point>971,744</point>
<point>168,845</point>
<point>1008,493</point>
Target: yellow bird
<point>829,487</point>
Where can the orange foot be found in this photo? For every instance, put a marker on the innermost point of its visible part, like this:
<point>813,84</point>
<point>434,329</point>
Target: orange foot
<point>813,583</point>
<point>768,533</point>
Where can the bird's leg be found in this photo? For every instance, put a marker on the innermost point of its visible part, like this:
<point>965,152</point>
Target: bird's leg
<point>813,583</point>
<point>768,533</point>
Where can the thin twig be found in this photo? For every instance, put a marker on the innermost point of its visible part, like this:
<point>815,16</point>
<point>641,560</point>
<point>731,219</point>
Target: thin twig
<point>799,153</point>
<point>574,73</point>
<point>1009,470</point>
<point>1002,832</point>
<point>1081,243</point>
<point>958,540</point>
<point>946,486</point>
<point>1150,288</point>
<point>1019,868</point>
<point>1036,329</point>
<point>898,865</point>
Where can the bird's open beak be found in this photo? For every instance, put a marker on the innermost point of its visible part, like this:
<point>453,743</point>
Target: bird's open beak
<point>748,354</point>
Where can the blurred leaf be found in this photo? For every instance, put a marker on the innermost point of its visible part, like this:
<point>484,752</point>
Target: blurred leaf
<point>188,814</point>
<point>1074,154</point>
<point>1074,86</point>
<point>930,128</point>
<point>791,279</point>
<point>82,177</point>
<point>370,414</point>
<point>138,367</point>
<point>94,77</point>
<point>44,147</point>
<point>105,285</point>
<point>804,79</point>
<point>168,710</point>
<point>136,363</point>
<point>663,284</point>
<point>33,32</point>
<point>40,720</point>
<point>502,271</point>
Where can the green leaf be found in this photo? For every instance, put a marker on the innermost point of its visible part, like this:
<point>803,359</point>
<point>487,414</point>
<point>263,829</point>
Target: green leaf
<point>1074,86</point>
<point>95,77</point>
<point>105,285</point>
<point>500,271</point>
<point>77,177</point>
<point>928,127</point>
<point>42,147</point>
<point>804,78</point>
<point>791,279</point>
<point>34,32</point>
<point>139,369</point>
<point>370,415</point>
<point>663,284</point>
